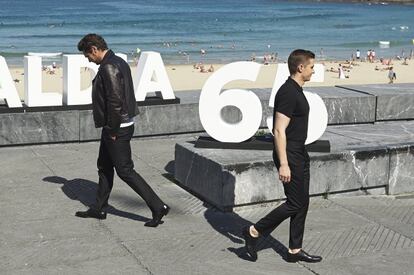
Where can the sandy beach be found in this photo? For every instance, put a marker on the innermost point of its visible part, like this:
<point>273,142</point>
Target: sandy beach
<point>186,77</point>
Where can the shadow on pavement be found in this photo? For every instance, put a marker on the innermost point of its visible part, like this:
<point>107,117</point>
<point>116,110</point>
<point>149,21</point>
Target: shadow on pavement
<point>84,191</point>
<point>231,224</point>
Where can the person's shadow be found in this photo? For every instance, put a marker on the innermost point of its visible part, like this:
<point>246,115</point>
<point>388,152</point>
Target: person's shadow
<point>231,224</point>
<point>84,191</point>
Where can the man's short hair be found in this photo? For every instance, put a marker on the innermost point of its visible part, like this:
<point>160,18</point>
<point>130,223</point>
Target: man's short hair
<point>298,57</point>
<point>92,39</point>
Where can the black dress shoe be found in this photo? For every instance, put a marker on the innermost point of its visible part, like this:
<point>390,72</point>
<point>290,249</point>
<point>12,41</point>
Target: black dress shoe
<point>91,213</point>
<point>250,243</point>
<point>157,217</point>
<point>302,256</point>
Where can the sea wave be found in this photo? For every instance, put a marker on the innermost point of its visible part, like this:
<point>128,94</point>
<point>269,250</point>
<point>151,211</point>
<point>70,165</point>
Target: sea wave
<point>372,44</point>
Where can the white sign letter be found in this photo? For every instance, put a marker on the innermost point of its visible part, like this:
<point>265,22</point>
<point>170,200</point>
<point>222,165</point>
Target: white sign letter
<point>72,93</point>
<point>152,77</point>
<point>212,101</point>
<point>8,90</point>
<point>33,85</point>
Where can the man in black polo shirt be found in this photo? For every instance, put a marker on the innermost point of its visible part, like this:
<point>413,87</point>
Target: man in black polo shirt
<point>291,111</point>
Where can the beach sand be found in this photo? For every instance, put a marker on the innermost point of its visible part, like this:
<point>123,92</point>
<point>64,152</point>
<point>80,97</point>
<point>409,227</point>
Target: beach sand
<point>185,77</point>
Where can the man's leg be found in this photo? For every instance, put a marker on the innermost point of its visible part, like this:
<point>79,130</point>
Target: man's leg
<point>293,205</point>
<point>268,223</point>
<point>120,152</point>
<point>106,176</point>
<point>297,221</point>
<point>294,195</point>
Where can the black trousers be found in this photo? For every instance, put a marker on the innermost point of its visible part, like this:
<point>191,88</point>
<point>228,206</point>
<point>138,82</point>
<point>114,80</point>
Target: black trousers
<point>297,194</point>
<point>117,154</point>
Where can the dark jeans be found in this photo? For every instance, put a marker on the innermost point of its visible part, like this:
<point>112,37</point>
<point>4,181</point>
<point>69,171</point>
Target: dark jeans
<point>297,194</point>
<point>117,154</point>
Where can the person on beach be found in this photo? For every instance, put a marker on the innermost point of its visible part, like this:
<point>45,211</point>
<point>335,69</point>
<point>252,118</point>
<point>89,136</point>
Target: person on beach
<point>114,108</point>
<point>405,61</point>
<point>358,54</point>
<point>290,127</point>
<point>341,74</point>
<point>265,61</point>
<point>391,75</point>
<point>253,57</point>
<point>203,69</point>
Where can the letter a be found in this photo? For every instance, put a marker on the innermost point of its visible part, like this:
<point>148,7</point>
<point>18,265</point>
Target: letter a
<point>152,77</point>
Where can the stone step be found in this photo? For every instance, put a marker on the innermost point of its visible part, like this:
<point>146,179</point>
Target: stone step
<point>370,159</point>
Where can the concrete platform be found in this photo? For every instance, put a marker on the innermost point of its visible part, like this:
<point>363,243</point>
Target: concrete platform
<point>366,159</point>
<point>359,104</point>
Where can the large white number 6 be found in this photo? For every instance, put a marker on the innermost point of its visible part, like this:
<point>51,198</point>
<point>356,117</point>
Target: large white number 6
<point>318,115</point>
<point>212,102</point>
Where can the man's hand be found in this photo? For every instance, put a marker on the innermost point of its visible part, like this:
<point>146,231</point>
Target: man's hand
<point>113,138</point>
<point>284,173</point>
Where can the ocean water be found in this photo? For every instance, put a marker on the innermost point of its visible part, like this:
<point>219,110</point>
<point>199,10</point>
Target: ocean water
<point>228,30</point>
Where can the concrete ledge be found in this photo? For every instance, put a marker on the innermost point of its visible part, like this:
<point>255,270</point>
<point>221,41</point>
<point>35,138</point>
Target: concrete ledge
<point>401,170</point>
<point>249,181</point>
<point>231,178</point>
<point>394,101</point>
<point>39,127</point>
<point>345,106</point>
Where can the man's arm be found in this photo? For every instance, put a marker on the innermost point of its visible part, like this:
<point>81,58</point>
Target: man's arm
<point>280,124</point>
<point>113,86</point>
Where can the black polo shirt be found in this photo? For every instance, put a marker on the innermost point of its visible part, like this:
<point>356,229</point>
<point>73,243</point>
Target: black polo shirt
<point>291,102</point>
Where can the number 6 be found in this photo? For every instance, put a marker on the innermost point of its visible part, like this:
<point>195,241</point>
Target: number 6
<point>212,102</point>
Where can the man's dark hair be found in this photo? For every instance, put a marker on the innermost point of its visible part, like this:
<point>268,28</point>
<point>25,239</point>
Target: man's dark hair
<point>92,39</point>
<point>298,57</point>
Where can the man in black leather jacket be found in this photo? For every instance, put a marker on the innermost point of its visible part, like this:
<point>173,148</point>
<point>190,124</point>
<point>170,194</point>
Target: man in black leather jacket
<point>114,109</point>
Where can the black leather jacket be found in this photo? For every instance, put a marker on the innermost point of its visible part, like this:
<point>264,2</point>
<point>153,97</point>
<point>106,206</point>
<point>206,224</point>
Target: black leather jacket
<point>113,98</point>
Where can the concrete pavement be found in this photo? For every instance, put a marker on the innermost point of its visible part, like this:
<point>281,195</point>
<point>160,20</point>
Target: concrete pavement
<point>43,186</point>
